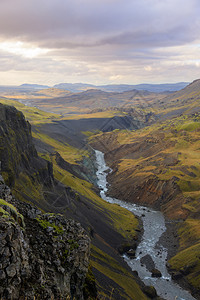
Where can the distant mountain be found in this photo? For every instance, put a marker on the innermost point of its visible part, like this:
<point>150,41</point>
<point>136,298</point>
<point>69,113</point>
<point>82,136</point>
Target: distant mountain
<point>155,88</point>
<point>33,86</point>
<point>74,87</point>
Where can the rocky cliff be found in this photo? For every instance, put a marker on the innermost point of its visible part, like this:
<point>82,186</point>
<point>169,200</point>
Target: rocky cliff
<point>29,176</point>
<point>17,151</point>
<point>42,256</point>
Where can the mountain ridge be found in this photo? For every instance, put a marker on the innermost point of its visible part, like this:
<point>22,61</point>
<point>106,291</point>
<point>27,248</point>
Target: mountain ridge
<point>76,87</point>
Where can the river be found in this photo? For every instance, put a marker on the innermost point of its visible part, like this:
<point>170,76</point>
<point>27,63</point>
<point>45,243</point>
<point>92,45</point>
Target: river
<point>154,227</point>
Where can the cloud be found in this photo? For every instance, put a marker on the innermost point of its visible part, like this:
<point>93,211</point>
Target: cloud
<point>78,23</point>
<point>117,39</point>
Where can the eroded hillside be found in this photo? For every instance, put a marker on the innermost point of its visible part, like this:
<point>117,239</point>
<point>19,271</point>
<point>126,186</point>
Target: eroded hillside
<point>54,182</point>
<point>159,166</point>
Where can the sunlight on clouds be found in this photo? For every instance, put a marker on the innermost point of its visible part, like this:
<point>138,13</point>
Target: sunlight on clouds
<point>148,68</point>
<point>23,49</point>
<point>116,77</point>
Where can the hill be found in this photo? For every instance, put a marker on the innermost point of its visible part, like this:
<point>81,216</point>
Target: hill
<point>52,92</point>
<point>87,101</point>
<point>155,88</point>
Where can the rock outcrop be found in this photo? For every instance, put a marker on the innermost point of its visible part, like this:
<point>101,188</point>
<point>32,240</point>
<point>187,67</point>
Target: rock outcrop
<point>42,256</point>
<point>17,151</point>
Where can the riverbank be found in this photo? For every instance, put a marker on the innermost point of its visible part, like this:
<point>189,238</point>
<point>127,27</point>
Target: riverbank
<point>151,244</point>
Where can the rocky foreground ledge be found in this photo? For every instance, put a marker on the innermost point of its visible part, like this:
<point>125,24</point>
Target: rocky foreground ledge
<point>42,256</point>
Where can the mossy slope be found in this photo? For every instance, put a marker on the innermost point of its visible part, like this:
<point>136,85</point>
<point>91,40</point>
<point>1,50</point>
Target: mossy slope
<point>45,183</point>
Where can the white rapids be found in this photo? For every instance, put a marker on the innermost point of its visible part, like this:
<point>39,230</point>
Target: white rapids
<point>154,227</point>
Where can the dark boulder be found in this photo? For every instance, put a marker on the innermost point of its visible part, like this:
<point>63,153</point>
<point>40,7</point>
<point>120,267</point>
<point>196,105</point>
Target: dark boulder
<point>150,291</point>
<point>131,253</point>
<point>125,247</point>
<point>156,273</point>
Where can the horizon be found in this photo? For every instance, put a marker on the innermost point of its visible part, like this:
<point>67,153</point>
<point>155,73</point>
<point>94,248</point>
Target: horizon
<point>99,85</point>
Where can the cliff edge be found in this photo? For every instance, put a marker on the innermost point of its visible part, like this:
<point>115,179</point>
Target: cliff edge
<point>42,256</point>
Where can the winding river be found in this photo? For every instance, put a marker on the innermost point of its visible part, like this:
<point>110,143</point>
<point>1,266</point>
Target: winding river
<point>154,227</point>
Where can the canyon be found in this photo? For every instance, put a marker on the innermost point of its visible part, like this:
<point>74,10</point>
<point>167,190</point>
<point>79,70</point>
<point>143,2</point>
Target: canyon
<point>151,143</point>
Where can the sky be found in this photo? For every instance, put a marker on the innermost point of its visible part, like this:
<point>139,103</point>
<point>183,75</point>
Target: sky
<point>99,41</point>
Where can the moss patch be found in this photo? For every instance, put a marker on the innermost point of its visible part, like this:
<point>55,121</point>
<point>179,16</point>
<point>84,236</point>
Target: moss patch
<point>188,262</point>
<point>12,212</point>
<point>125,280</point>
<point>45,224</point>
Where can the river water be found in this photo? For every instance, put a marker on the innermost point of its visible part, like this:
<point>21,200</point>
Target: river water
<point>154,227</point>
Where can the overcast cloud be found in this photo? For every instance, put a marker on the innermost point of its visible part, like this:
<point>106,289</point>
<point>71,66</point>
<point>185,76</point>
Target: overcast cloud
<point>99,41</point>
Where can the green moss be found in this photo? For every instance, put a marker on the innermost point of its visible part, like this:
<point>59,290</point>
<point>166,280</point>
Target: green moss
<point>70,245</point>
<point>64,257</point>
<point>45,224</point>
<point>13,208</point>
<point>4,213</point>
<point>13,212</point>
<point>73,244</point>
<point>89,288</point>
<point>66,252</point>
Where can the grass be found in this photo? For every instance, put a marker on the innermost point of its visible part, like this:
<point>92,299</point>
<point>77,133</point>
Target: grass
<point>109,266</point>
<point>69,153</point>
<point>90,133</point>
<point>188,261</point>
<point>123,221</point>
<point>189,126</point>
<point>189,232</point>
<point>26,188</point>
<point>103,114</point>
<point>178,138</point>
<point>32,114</point>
